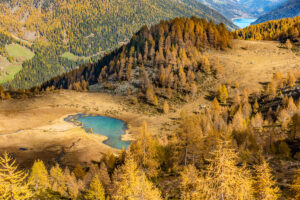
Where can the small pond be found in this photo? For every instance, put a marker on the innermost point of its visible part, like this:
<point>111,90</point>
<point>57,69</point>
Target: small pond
<point>110,127</point>
<point>243,22</point>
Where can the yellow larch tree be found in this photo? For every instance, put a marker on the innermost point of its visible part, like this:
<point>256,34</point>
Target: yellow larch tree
<point>96,190</point>
<point>12,180</point>
<point>39,177</point>
<point>166,107</point>
<point>131,183</point>
<point>224,179</point>
<point>57,180</point>
<point>291,80</point>
<point>192,186</point>
<point>264,185</point>
<point>144,150</point>
<point>73,186</point>
<point>222,93</point>
<point>296,184</point>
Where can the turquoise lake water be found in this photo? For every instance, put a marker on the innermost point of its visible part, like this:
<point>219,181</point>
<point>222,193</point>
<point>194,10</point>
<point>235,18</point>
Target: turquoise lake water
<point>110,127</point>
<point>243,22</point>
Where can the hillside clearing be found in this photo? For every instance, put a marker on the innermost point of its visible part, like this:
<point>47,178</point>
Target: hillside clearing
<point>19,52</point>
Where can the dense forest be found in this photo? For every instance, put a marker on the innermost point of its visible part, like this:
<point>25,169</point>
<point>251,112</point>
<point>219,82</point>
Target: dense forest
<point>88,27</point>
<point>229,151</point>
<point>281,30</point>
<point>5,39</point>
<point>165,59</point>
<point>84,28</point>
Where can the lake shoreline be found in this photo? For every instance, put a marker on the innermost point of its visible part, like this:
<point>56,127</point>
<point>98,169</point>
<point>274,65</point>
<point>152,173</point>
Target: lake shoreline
<point>73,118</point>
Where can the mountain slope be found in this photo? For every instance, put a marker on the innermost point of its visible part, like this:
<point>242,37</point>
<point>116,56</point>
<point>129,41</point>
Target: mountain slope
<point>242,8</point>
<point>87,27</point>
<point>290,8</point>
<point>166,59</point>
<point>84,29</point>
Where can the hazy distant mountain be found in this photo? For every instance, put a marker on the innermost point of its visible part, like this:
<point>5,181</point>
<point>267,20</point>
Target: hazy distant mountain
<point>290,8</point>
<point>242,8</point>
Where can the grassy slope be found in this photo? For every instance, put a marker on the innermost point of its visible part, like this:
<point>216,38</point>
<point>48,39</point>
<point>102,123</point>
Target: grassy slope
<point>18,51</point>
<point>8,70</point>
<point>70,56</point>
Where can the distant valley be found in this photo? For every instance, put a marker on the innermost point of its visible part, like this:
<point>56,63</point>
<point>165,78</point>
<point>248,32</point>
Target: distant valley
<point>242,8</point>
<point>291,8</point>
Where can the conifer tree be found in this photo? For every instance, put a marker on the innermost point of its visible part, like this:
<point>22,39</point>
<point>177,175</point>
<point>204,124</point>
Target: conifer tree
<point>223,93</point>
<point>215,106</point>
<point>192,187</point>
<point>79,172</point>
<point>144,150</point>
<point>73,186</point>
<point>291,79</point>
<point>224,179</point>
<point>193,90</point>
<point>288,44</point>
<point>255,106</point>
<point>150,95</point>
<point>264,186</point>
<point>96,190</point>
<point>57,180</point>
<point>39,177</point>
<point>131,183</point>
<point>166,107</point>
<point>12,180</point>
<point>296,184</point>
<point>155,101</point>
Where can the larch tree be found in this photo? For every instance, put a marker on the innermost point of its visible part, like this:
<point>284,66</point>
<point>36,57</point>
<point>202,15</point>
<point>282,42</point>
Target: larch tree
<point>131,183</point>
<point>193,90</point>
<point>190,138</point>
<point>57,180</point>
<point>150,95</point>
<point>144,150</point>
<point>39,177</point>
<point>96,190</point>
<point>224,179</point>
<point>155,101</point>
<point>296,184</point>
<point>264,185</point>
<point>215,106</point>
<point>192,186</point>
<point>79,172</point>
<point>223,93</point>
<point>255,106</point>
<point>291,80</point>
<point>73,186</point>
<point>288,44</point>
<point>12,180</point>
<point>166,107</point>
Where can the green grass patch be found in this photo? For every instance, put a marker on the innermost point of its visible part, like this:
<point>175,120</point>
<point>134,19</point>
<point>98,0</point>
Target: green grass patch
<point>11,70</point>
<point>70,56</point>
<point>18,51</point>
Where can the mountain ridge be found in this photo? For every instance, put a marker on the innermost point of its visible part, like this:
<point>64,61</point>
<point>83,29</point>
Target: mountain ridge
<point>242,8</point>
<point>289,9</point>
